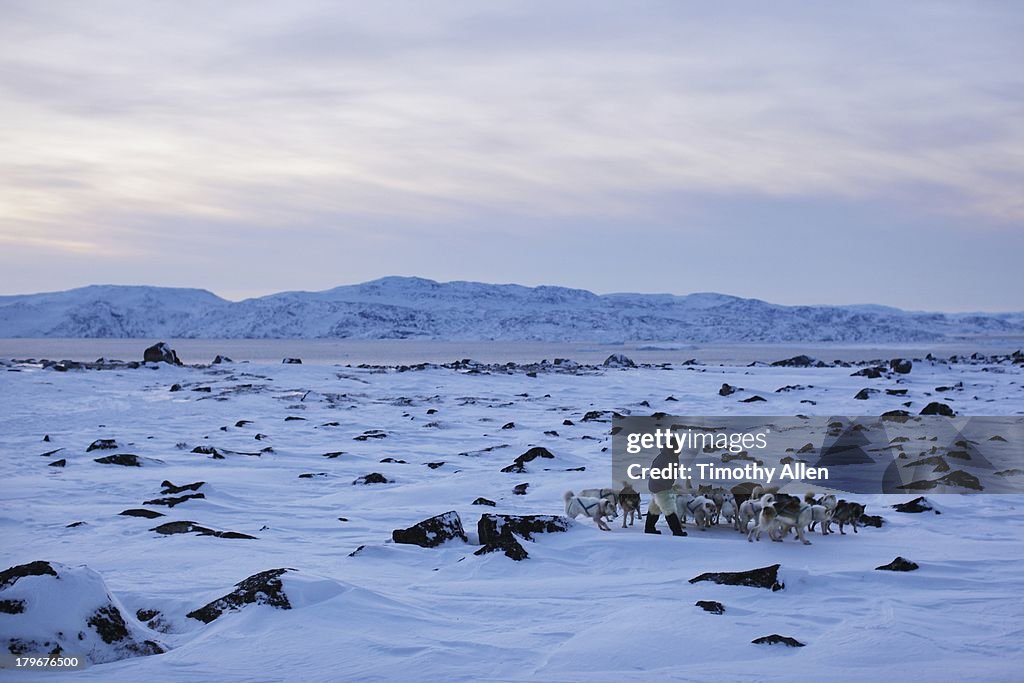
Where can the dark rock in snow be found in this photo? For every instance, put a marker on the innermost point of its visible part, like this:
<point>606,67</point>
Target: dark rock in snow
<point>520,489</point>
<point>171,501</point>
<point>10,576</point>
<point>776,639</point>
<point>900,564</point>
<point>518,465</point>
<point>175,387</point>
<point>140,512</point>
<point>507,544</point>
<point>147,614</point>
<point>567,423</point>
<point>160,353</point>
<point>432,532</point>
<point>123,459</point>
<point>753,399</point>
<point>954,478</point>
<point>264,588</point>
<point>58,463</point>
<point>52,626</point>
<point>167,487</point>
<point>434,465</point>
<point>292,361</point>
<point>12,606</point>
<point>491,527</point>
<point>372,478</point>
<point>311,475</point>
<point>101,445</point>
<point>901,366</point>
<point>864,394</point>
<point>764,577</point>
<point>727,390</point>
<point>509,425</point>
<point>869,372</point>
<point>937,408</point>
<point>186,527</point>
<point>618,360</point>
<point>483,501</point>
<point>711,606</point>
<point>800,361</point>
<point>221,359</point>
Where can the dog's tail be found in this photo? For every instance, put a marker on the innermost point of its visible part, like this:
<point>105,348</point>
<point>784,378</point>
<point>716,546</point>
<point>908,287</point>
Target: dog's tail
<point>627,487</point>
<point>567,496</point>
<point>809,497</point>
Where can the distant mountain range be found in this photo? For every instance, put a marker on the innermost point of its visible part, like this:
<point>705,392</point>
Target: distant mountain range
<point>404,307</point>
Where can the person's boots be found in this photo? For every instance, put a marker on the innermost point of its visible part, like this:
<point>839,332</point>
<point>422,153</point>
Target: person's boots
<point>674,525</point>
<point>649,523</point>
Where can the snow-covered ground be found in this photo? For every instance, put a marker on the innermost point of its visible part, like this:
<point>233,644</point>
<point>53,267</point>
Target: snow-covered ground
<point>585,605</point>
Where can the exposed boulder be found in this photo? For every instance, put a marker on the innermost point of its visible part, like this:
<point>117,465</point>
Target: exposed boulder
<point>754,399</point>
<point>102,445</point>
<point>764,577</point>
<point>432,532</point>
<point>800,361</point>
<point>727,390</point>
<point>507,544</point>
<point>123,459</point>
<point>372,478</point>
<point>776,639</point>
<point>872,372</point>
<point>492,527</point>
<point>520,489</point>
<point>171,501</point>
<point>518,465</point>
<point>55,609</point>
<point>900,564</point>
<point>483,501</point>
<point>141,512</point>
<point>937,408</point>
<point>221,359</point>
<point>864,394</point>
<point>711,606</point>
<point>59,463</point>
<point>264,588</point>
<point>186,527</point>
<point>292,361</point>
<point>901,366</point>
<point>160,353</point>
<point>618,360</point>
<point>167,487</point>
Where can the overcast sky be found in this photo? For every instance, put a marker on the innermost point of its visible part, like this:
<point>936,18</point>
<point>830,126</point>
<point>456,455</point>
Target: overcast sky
<point>797,152</point>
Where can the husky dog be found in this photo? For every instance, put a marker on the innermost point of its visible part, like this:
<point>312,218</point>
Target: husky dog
<point>595,508</point>
<point>629,501</point>
<point>790,513</point>
<point>701,508</point>
<point>750,509</point>
<point>847,513</point>
<point>729,512</point>
<point>765,522</point>
<point>610,494</point>
<point>818,517</point>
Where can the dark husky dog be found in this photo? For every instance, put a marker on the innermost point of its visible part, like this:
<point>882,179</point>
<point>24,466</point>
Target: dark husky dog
<point>629,501</point>
<point>847,513</point>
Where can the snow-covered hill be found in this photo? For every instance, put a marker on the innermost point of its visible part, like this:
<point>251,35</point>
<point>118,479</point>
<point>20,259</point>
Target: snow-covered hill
<point>400,307</point>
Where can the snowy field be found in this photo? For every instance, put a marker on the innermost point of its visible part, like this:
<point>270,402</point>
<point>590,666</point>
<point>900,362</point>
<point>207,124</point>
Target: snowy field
<point>585,605</point>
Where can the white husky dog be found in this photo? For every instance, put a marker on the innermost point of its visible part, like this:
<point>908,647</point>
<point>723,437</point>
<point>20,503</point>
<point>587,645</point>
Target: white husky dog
<point>750,509</point>
<point>595,508</point>
<point>729,512</point>
<point>793,514</point>
<point>764,523</point>
<point>701,508</point>
<point>610,494</point>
